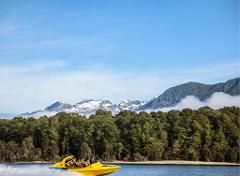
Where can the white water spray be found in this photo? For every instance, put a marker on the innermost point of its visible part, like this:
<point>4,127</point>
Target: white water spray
<point>33,170</point>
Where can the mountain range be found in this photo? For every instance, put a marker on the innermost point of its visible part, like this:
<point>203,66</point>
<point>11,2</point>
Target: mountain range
<point>169,98</point>
<point>86,107</point>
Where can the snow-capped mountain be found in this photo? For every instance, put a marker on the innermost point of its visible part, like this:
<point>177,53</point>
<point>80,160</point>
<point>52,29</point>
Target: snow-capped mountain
<point>131,105</point>
<point>84,107</point>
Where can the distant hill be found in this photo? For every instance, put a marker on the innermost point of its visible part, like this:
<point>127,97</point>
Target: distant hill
<point>174,95</point>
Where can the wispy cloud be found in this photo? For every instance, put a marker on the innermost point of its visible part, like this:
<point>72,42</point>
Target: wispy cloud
<point>11,23</point>
<point>35,85</point>
<point>8,27</point>
<point>78,45</point>
<point>215,70</point>
<point>30,35</point>
<point>209,72</point>
<point>209,69</point>
<point>30,68</point>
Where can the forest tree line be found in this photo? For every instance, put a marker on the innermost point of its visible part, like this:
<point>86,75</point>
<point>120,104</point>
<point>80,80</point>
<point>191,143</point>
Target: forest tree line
<point>204,134</point>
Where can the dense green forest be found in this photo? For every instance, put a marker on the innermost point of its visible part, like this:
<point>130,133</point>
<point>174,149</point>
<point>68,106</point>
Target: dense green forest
<point>204,134</point>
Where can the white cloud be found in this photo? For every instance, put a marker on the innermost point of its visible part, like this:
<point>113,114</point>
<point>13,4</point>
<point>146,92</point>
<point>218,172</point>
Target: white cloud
<point>8,27</point>
<point>33,86</point>
<point>67,44</point>
<point>11,24</point>
<point>27,88</point>
<point>216,101</point>
<point>14,70</point>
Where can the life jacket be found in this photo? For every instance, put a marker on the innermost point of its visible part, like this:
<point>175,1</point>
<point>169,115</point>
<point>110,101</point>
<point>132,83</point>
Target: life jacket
<point>87,163</point>
<point>79,163</point>
<point>71,162</point>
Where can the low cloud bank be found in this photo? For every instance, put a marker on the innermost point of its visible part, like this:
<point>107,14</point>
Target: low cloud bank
<point>216,101</point>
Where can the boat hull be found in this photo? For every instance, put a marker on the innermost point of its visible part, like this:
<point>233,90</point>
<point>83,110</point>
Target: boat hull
<point>104,170</point>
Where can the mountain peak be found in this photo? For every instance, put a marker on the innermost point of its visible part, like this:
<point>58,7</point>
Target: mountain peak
<point>58,106</point>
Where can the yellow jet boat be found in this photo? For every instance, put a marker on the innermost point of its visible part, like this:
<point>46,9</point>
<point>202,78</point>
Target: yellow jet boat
<point>95,169</point>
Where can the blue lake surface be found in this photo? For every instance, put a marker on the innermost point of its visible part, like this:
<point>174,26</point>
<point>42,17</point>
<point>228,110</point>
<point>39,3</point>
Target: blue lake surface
<point>127,170</point>
<point>176,170</point>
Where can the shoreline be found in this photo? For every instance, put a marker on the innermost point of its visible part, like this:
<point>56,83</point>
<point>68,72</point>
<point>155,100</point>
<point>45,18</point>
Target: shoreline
<point>173,162</point>
<point>163,162</point>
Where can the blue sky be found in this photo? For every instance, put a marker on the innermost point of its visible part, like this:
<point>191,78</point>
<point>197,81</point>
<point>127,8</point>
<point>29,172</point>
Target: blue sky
<point>70,50</point>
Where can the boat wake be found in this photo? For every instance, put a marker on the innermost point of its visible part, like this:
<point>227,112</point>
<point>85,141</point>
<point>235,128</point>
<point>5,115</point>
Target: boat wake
<point>18,170</point>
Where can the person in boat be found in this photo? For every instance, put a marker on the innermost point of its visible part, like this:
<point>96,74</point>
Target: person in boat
<point>79,162</point>
<point>86,163</point>
<point>71,162</point>
<point>92,160</point>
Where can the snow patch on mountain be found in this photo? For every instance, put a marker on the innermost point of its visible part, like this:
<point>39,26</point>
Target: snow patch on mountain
<point>90,106</point>
<point>131,105</point>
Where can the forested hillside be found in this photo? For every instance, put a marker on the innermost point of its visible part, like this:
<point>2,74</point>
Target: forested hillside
<point>204,134</point>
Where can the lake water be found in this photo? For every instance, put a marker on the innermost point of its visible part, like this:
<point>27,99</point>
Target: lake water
<point>127,170</point>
